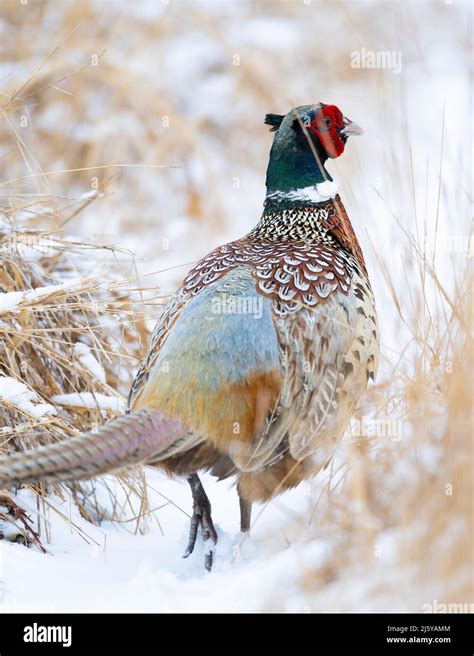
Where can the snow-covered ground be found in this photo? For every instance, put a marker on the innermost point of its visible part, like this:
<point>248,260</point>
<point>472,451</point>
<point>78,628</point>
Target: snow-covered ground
<point>119,571</point>
<point>111,569</point>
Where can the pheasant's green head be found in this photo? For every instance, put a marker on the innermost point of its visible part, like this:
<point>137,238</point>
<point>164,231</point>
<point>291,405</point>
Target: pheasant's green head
<point>305,138</point>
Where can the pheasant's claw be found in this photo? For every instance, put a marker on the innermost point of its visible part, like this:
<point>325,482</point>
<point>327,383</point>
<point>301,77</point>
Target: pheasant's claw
<point>208,560</point>
<point>193,529</point>
<point>208,533</point>
<point>201,517</point>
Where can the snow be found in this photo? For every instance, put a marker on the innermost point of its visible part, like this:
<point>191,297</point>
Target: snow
<point>21,396</point>
<point>101,575</point>
<point>113,568</point>
<point>11,301</point>
<point>88,361</point>
<point>8,530</point>
<point>90,400</point>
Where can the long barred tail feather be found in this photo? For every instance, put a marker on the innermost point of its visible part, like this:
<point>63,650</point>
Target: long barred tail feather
<point>127,440</point>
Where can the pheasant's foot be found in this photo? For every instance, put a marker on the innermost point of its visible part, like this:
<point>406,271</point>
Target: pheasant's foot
<point>201,517</point>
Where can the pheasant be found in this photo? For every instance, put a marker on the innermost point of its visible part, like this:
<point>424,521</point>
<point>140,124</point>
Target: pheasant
<point>258,361</point>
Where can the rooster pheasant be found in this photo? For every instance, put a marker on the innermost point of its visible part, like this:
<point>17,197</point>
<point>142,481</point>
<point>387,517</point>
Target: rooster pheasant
<point>259,359</point>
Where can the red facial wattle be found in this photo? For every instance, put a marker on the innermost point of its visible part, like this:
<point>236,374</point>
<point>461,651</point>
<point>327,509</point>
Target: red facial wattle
<point>326,126</point>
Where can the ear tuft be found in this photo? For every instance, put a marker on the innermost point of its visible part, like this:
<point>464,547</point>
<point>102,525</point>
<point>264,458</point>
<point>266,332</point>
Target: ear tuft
<point>274,120</point>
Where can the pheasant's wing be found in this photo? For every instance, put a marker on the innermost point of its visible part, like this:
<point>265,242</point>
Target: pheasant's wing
<point>215,364</point>
<point>169,316</point>
<point>331,353</point>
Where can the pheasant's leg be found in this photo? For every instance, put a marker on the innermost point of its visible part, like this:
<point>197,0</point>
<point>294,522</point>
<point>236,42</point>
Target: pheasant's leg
<point>245,513</point>
<point>201,517</point>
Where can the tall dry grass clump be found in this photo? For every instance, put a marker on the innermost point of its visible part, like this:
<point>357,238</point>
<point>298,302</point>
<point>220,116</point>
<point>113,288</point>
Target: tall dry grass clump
<point>398,505</point>
<point>70,341</point>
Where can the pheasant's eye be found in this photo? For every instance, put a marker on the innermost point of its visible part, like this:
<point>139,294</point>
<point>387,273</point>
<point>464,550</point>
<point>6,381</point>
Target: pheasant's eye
<point>327,122</point>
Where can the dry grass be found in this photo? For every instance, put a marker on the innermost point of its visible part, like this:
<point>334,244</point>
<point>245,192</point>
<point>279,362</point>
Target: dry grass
<point>83,337</point>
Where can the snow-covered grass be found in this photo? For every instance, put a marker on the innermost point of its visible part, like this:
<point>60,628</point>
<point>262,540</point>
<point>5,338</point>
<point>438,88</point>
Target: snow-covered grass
<point>11,301</point>
<point>19,395</point>
<point>90,400</point>
<point>182,92</point>
<point>68,333</point>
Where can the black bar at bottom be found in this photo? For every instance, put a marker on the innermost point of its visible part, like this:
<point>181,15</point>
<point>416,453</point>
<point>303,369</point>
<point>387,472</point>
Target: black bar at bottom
<point>305,633</point>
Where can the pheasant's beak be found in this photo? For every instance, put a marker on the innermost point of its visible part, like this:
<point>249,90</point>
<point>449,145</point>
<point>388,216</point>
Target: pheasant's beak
<point>351,128</point>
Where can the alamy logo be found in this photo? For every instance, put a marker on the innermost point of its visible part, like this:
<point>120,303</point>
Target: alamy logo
<point>231,304</point>
<point>374,427</point>
<point>41,633</point>
<point>451,607</point>
<point>390,59</point>
<point>18,242</point>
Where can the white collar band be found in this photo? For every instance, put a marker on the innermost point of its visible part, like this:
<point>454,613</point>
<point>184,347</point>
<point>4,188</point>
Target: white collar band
<point>317,193</point>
